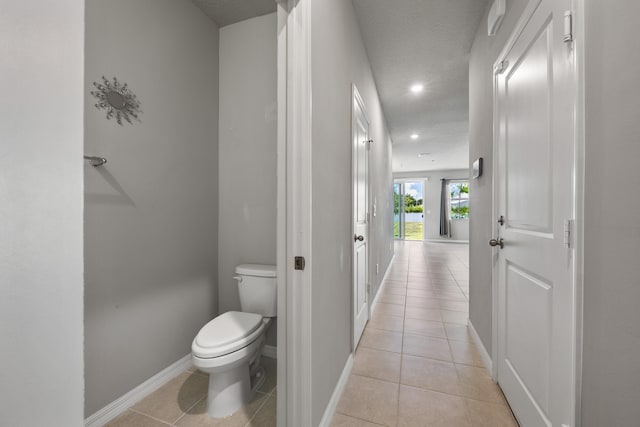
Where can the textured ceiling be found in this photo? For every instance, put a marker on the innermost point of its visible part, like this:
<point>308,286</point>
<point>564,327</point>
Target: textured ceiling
<point>428,42</point>
<point>226,12</point>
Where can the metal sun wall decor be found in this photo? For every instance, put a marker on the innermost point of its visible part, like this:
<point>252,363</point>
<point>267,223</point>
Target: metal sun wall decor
<point>117,99</point>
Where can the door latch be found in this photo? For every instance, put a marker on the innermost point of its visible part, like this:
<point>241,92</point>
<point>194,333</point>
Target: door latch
<point>298,263</point>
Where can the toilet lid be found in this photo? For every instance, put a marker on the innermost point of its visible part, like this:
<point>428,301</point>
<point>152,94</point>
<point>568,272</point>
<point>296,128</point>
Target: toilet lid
<point>228,328</point>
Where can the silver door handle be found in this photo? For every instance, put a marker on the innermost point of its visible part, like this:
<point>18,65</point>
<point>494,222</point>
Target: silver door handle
<point>498,242</point>
<point>358,238</point>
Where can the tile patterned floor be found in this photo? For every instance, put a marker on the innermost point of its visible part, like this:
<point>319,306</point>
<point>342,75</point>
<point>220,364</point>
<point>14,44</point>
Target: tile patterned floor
<point>416,364</point>
<point>182,403</point>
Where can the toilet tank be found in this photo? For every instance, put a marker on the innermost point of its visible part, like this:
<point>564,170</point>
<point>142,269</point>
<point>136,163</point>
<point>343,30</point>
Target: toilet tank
<point>258,289</point>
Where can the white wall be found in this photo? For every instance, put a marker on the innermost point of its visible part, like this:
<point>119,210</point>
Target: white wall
<point>484,52</point>
<point>431,203</point>
<point>611,372</point>
<point>339,59</point>
<point>41,267</point>
<point>247,137</point>
<point>151,211</point>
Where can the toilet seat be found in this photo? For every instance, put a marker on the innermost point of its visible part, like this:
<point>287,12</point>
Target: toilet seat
<point>229,332</point>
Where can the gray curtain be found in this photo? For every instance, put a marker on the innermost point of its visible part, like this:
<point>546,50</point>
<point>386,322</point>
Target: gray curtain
<point>445,230</point>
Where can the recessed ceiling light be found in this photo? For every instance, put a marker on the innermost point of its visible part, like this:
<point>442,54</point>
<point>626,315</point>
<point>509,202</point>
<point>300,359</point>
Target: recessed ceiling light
<point>424,154</point>
<point>417,88</point>
<point>414,136</point>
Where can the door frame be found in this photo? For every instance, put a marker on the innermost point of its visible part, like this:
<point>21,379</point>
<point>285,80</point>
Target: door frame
<point>294,212</point>
<point>424,180</point>
<point>578,30</point>
<point>356,99</point>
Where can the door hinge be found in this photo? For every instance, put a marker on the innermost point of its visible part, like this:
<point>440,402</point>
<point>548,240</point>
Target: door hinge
<point>568,233</point>
<point>298,263</point>
<point>568,27</point>
<point>501,67</point>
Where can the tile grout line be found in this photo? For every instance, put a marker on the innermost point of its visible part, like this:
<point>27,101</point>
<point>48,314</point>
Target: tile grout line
<point>184,413</point>
<point>266,399</point>
<point>152,417</point>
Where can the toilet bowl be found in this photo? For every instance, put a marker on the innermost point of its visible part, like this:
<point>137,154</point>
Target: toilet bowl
<point>228,348</point>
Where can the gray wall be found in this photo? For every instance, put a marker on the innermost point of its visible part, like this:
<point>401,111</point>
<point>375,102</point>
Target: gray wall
<point>247,162</point>
<point>151,213</point>
<point>338,60</point>
<point>484,52</point>
<point>41,213</point>
<point>611,372</point>
<point>432,189</point>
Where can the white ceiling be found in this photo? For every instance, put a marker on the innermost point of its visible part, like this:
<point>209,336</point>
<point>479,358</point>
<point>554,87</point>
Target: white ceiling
<point>428,42</point>
<point>226,12</point>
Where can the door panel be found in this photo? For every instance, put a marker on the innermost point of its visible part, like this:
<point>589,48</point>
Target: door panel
<point>535,104</point>
<point>529,86</point>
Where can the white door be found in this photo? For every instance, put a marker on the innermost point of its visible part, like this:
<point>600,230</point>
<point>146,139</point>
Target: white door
<point>360,130</point>
<point>535,132</point>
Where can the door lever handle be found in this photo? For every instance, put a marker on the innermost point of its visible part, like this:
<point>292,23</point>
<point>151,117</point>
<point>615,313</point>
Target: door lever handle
<point>497,242</point>
<point>358,238</point>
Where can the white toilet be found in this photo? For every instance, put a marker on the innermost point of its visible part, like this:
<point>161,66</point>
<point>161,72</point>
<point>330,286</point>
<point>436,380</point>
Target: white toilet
<point>229,346</point>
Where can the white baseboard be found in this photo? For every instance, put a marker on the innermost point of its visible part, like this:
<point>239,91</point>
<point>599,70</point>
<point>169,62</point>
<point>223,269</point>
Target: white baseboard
<point>447,241</point>
<point>382,285</point>
<point>270,351</point>
<point>330,411</point>
<point>120,405</point>
<point>486,357</point>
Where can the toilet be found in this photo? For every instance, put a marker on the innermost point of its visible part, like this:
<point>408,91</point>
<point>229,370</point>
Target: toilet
<point>228,348</point>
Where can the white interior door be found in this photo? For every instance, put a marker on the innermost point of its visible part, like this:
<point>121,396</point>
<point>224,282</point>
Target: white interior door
<point>360,127</point>
<point>535,109</point>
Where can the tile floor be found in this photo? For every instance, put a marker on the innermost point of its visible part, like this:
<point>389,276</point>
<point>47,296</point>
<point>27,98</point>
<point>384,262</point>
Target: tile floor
<point>181,403</point>
<point>416,364</point>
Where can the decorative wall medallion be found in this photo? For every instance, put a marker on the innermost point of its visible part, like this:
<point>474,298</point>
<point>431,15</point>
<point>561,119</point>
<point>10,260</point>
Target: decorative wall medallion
<point>117,99</point>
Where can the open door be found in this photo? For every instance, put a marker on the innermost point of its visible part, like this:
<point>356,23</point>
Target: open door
<point>360,144</point>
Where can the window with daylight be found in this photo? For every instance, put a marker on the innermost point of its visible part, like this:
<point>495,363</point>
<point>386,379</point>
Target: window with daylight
<point>459,200</point>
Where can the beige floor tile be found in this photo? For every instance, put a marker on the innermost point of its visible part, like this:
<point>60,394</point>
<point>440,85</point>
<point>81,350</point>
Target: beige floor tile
<point>485,414</point>
<point>421,293</point>
<point>134,419</point>
<point>423,313</point>
<point>382,340</point>
<point>370,399</point>
<point>462,306</point>
<point>423,302</point>
<point>382,365</point>
<point>429,374</point>
<point>475,383</point>
<point>457,317</point>
<point>385,322</point>
<point>425,408</point>
<point>271,369</point>
<point>419,284</point>
<point>450,295</point>
<point>198,417</point>
<point>428,328</point>
<point>433,348</point>
<point>390,309</point>
<point>393,290</point>
<point>340,420</point>
<point>177,396</point>
<point>458,332</point>
<point>267,414</point>
<point>466,352</point>
<point>391,299</point>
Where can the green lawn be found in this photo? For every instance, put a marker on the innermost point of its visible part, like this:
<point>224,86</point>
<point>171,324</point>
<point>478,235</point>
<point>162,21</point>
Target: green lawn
<point>412,230</point>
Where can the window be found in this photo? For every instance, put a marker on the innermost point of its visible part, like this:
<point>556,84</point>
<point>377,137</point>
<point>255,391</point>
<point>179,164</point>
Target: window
<point>459,200</point>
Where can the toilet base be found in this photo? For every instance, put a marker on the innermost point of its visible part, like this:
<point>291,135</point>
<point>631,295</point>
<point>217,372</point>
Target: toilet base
<point>229,391</point>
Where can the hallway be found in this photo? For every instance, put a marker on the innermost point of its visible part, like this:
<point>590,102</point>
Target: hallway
<point>416,364</point>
